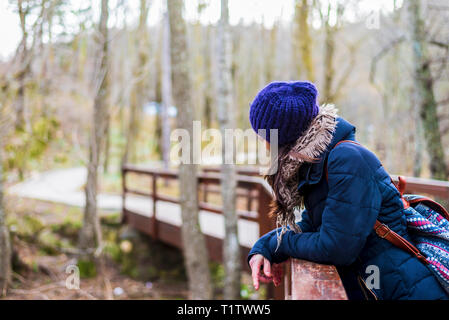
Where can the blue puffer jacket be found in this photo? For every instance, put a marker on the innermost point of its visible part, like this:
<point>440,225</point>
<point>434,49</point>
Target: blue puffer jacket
<point>338,222</point>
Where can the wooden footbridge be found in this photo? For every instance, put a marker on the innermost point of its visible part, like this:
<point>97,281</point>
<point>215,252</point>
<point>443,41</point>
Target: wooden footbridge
<point>151,206</point>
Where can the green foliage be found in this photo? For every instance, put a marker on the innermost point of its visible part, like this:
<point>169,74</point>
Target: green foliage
<point>50,243</point>
<point>87,268</point>
<point>112,219</point>
<point>26,227</point>
<point>68,228</point>
<point>26,146</point>
<point>217,274</point>
<point>142,258</point>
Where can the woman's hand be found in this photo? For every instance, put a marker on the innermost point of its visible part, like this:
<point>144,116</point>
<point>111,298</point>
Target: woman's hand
<point>261,270</point>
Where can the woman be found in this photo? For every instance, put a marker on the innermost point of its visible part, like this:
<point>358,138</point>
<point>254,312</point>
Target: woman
<point>344,189</point>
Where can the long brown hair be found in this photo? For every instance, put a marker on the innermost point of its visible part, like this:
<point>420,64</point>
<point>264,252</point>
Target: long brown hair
<point>283,176</point>
<point>279,207</point>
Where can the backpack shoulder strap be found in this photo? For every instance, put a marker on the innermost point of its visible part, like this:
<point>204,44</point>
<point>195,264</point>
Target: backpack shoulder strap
<point>382,230</point>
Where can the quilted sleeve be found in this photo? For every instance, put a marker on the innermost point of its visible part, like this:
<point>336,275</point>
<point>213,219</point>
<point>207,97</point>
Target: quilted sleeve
<point>260,247</point>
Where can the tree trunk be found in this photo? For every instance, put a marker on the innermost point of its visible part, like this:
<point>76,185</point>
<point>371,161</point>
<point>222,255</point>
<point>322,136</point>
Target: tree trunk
<point>5,244</point>
<point>329,70</point>
<point>303,41</point>
<point>226,119</point>
<point>195,253</point>
<point>166,92</point>
<point>138,92</point>
<point>424,89</point>
<point>24,67</point>
<point>90,234</point>
<point>107,144</point>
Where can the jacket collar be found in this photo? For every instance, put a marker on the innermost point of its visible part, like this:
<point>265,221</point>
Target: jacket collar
<point>312,172</point>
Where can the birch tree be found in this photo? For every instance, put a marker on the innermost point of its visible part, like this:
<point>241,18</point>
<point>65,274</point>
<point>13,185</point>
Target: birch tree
<point>90,234</point>
<point>195,253</point>
<point>23,66</point>
<point>166,91</point>
<point>226,119</point>
<point>138,91</point>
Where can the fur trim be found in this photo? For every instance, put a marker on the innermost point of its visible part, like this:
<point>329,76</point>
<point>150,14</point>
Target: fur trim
<point>314,141</point>
<point>307,148</point>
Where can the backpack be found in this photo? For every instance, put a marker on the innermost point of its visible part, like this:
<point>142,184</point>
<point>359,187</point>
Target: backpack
<point>428,227</point>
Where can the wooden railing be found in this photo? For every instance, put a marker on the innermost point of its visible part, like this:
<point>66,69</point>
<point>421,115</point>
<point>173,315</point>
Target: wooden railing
<point>258,196</point>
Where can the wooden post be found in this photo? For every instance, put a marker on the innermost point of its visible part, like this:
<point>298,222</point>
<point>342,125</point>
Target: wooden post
<point>124,171</point>
<point>288,280</point>
<point>265,223</point>
<point>205,191</point>
<point>248,199</point>
<point>154,218</point>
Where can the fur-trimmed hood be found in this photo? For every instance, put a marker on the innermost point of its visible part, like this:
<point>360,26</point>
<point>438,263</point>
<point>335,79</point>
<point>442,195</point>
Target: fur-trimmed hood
<point>307,148</point>
<point>308,153</point>
<point>314,171</point>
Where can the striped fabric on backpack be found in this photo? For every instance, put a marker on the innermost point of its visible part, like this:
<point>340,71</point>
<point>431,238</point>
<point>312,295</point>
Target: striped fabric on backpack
<point>428,226</point>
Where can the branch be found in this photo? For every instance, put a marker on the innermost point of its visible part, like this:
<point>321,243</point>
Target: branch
<point>350,66</point>
<point>439,44</point>
<point>381,54</point>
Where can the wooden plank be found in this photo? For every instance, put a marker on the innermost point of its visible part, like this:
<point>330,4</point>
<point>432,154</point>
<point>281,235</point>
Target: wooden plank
<point>140,193</point>
<point>247,215</point>
<point>171,235</point>
<point>313,281</point>
<point>434,188</point>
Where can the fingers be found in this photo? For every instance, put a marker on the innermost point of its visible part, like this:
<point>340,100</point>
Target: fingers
<point>256,264</point>
<point>264,279</point>
<point>261,271</point>
<point>267,268</point>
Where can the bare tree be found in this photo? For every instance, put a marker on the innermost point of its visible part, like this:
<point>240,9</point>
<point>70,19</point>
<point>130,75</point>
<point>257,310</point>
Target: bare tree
<point>195,252</point>
<point>424,84</point>
<point>24,8</point>
<point>5,244</point>
<point>226,119</point>
<point>330,31</point>
<point>302,41</point>
<point>166,91</point>
<point>90,234</point>
<point>138,91</point>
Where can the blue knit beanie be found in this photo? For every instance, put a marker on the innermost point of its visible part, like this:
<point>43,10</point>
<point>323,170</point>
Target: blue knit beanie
<point>287,106</point>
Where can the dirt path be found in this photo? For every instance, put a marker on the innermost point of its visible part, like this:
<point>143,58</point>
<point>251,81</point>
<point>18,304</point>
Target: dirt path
<point>62,186</point>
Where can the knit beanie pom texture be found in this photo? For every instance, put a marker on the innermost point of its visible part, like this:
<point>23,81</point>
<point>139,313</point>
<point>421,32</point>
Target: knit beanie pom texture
<point>287,106</point>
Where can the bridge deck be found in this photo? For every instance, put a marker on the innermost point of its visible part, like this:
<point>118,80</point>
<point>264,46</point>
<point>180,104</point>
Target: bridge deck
<point>211,224</point>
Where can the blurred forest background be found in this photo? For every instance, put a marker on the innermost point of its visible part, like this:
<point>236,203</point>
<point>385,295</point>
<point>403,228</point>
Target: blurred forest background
<point>96,84</point>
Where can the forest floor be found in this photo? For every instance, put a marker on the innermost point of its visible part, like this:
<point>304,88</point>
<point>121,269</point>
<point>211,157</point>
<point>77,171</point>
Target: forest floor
<point>44,214</point>
<point>43,235</point>
<point>48,282</point>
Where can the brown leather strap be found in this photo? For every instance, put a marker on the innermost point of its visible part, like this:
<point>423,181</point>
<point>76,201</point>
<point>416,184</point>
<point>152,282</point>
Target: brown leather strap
<point>383,231</point>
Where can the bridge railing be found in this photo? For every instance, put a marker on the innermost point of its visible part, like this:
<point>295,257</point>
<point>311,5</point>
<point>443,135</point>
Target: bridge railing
<point>254,189</point>
<point>257,193</point>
